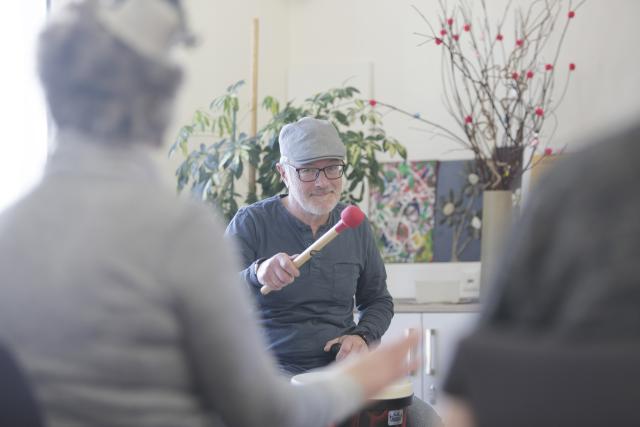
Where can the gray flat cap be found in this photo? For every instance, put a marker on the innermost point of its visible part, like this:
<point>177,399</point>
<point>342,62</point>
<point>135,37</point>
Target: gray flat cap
<point>308,140</point>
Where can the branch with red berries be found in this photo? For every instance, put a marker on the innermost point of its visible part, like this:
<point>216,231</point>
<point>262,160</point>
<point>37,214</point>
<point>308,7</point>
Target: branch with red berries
<point>500,88</point>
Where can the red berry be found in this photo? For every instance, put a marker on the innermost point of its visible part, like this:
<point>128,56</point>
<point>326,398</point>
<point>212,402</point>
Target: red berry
<point>548,151</point>
<point>450,21</point>
<point>515,75</point>
<point>519,42</point>
<point>468,119</point>
<point>499,37</point>
<point>572,66</point>
<point>539,112</point>
<point>443,32</point>
<point>456,37</point>
<point>467,27</point>
<point>529,74</point>
<point>571,14</point>
<point>548,67</point>
<point>373,102</point>
<point>438,40</point>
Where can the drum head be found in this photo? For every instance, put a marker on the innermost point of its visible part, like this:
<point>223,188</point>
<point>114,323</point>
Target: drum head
<point>398,390</point>
<point>310,377</point>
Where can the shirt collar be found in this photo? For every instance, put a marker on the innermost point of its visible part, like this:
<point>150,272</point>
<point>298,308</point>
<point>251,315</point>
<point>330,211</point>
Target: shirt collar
<point>334,217</point>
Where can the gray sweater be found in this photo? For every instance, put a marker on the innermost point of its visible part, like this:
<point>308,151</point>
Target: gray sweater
<point>123,305</point>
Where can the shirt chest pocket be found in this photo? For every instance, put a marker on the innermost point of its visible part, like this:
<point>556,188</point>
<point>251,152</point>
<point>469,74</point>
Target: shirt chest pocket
<point>345,279</point>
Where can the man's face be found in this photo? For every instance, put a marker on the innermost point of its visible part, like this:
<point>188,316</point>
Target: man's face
<point>318,197</point>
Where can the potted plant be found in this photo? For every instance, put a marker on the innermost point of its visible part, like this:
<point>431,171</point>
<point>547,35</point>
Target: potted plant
<point>214,168</point>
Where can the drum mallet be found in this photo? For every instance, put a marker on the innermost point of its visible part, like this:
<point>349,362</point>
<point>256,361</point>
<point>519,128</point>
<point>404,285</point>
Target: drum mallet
<point>350,217</point>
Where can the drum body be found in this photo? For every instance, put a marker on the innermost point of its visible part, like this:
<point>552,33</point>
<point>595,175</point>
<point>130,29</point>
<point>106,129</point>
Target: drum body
<point>387,409</point>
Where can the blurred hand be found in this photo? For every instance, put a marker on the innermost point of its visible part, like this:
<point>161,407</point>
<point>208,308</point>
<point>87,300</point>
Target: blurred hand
<point>277,271</point>
<point>349,344</point>
<point>382,366</point>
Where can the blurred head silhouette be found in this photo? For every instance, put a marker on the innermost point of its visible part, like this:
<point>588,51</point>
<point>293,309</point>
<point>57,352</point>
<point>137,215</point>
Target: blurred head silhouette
<point>106,70</point>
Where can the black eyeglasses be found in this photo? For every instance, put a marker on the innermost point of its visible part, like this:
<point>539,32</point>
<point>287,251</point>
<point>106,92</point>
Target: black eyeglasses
<point>311,174</point>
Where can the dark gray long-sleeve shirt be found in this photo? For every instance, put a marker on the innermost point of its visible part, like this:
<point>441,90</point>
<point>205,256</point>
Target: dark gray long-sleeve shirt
<point>318,305</point>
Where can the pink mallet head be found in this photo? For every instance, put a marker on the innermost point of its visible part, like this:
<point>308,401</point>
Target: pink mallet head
<point>350,217</point>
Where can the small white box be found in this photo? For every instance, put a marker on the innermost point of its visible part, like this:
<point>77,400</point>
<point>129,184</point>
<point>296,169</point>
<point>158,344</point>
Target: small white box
<point>470,288</point>
<point>448,291</point>
<point>437,291</point>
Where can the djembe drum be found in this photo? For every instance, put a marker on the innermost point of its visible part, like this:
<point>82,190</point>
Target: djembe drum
<point>388,408</point>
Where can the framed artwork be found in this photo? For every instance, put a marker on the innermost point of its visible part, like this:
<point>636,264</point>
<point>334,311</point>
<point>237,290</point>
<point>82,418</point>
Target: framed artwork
<point>458,212</point>
<point>402,215</point>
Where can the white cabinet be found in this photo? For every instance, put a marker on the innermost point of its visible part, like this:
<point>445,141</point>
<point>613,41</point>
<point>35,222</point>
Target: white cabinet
<point>400,324</point>
<point>439,334</point>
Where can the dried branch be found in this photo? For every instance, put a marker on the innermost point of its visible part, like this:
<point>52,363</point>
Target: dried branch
<point>500,97</point>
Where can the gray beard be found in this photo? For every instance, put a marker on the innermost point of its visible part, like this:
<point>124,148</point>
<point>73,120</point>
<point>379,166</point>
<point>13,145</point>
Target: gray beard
<point>315,209</point>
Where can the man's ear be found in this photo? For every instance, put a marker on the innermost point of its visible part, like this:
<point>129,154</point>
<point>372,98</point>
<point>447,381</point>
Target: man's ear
<point>283,174</point>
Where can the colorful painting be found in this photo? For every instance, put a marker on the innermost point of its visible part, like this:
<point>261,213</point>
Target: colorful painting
<point>458,222</point>
<point>403,214</point>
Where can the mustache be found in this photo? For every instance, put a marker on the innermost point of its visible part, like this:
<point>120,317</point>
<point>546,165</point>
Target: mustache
<point>322,192</point>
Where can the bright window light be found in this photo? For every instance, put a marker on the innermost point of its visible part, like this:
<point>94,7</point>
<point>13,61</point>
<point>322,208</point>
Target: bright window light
<point>23,143</point>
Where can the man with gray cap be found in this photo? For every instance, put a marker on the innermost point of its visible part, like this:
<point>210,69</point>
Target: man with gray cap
<point>313,306</point>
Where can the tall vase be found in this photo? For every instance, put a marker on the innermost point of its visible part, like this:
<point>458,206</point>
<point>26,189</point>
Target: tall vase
<point>496,222</point>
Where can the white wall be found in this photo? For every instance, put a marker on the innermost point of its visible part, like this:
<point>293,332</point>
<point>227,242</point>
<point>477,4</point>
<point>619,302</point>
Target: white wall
<point>223,56</point>
<point>602,41</point>
<point>604,44</point>
<point>22,108</point>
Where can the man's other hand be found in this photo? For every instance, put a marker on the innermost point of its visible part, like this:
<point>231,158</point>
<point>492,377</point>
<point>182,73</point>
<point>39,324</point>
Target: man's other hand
<point>348,344</point>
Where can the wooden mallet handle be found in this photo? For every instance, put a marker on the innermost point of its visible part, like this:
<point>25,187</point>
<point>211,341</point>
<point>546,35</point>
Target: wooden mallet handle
<point>350,217</point>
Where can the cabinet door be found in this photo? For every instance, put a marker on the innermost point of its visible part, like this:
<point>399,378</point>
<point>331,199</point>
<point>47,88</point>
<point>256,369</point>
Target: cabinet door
<point>400,324</point>
<point>441,332</point>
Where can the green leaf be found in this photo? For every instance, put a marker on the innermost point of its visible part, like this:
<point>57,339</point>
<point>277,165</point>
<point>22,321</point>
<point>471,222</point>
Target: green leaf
<point>402,151</point>
<point>239,168</point>
<point>211,162</point>
<point>184,147</point>
<point>352,91</point>
<point>216,169</point>
<point>341,117</point>
<point>234,87</point>
<point>226,160</point>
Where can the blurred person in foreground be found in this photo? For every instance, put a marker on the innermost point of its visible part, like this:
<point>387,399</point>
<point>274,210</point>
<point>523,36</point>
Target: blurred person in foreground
<point>565,298</point>
<point>121,301</point>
